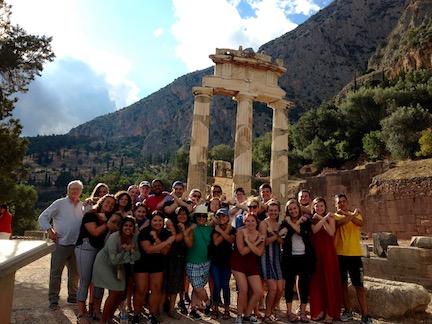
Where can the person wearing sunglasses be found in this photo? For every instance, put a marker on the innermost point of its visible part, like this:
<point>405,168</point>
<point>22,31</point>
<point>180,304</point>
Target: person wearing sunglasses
<point>216,192</point>
<point>252,206</point>
<point>238,205</point>
<point>198,260</point>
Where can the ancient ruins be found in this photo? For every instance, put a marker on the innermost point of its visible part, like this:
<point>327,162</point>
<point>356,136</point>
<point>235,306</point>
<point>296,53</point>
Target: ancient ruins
<point>246,76</point>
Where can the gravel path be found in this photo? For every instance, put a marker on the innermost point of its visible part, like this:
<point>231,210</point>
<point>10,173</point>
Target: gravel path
<point>30,303</point>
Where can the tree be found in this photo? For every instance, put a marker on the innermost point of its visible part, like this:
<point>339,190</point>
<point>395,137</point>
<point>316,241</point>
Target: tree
<point>425,142</point>
<point>401,130</point>
<point>372,145</point>
<point>21,59</point>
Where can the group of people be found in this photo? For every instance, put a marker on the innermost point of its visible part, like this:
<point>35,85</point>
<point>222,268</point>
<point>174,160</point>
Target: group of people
<point>148,246</point>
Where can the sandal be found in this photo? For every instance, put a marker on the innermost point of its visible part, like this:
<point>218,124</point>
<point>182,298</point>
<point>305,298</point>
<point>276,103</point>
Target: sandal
<point>173,314</point>
<point>328,320</point>
<point>214,314</point>
<point>267,320</point>
<point>304,318</point>
<point>82,319</point>
<point>292,317</point>
<point>318,318</point>
<point>226,315</point>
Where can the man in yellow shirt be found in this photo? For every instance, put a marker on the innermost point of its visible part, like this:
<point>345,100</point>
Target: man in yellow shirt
<point>348,249</point>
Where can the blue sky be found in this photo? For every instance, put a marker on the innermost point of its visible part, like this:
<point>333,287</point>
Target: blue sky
<point>112,53</point>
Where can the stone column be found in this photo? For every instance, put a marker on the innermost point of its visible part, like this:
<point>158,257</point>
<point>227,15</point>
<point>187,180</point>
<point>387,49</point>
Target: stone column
<point>279,151</point>
<point>198,156</point>
<point>242,175</point>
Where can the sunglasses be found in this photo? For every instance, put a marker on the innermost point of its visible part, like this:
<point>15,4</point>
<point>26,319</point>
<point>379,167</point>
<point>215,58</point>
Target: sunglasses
<point>217,191</point>
<point>196,196</point>
<point>253,206</point>
<point>201,216</point>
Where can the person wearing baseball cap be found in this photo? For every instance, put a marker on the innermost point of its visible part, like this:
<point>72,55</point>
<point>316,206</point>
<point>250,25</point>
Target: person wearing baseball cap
<point>144,189</point>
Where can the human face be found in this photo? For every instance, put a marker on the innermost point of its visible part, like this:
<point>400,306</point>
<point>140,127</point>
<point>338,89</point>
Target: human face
<point>157,222</point>
<point>108,205</point>
<point>342,203</point>
<point>240,196</point>
<point>178,191</point>
<point>250,222</point>
<point>123,201</point>
<point>214,205</point>
<point>157,188</point>
<point>201,218</point>
<point>217,192</point>
<point>273,211</point>
<point>196,196</point>
<point>253,207</point>
<point>320,208</point>
<point>144,191</point>
<point>102,191</point>
<point>134,193</point>
<point>304,198</point>
<point>140,213</point>
<point>293,210</point>
<point>223,219</point>
<point>182,217</point>
<point>128,228</point>
<point>74,191</point>
<point>265,194</point>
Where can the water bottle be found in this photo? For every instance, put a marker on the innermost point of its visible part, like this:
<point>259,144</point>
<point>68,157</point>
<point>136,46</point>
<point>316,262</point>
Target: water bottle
<point>124,316</point>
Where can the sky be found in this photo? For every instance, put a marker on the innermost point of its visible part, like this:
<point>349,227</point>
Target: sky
<point>112,53</point>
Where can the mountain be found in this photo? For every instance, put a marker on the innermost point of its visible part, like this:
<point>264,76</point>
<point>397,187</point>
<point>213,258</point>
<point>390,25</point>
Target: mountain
<point>409,45</point>
<point>321,56</point>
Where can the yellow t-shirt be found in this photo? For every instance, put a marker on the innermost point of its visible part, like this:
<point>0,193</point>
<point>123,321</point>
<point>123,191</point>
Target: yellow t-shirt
<point>347,237</point>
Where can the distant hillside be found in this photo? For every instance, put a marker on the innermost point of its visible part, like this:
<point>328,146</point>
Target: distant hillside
<point>321,56</point>
<point>409,45</point>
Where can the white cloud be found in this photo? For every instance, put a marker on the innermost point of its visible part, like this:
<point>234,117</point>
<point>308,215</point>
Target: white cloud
<point>203,26</point>
<point>158,32</point>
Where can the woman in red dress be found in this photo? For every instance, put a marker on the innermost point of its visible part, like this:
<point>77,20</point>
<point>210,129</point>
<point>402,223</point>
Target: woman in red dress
<point>325,284</point>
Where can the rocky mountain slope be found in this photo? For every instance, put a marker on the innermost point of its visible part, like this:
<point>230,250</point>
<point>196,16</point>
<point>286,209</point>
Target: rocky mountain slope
<point>321,55</point>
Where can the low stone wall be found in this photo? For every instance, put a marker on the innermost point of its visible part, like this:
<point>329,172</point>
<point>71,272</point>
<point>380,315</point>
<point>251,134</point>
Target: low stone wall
<point>403,263</point>
<point>402,207</point>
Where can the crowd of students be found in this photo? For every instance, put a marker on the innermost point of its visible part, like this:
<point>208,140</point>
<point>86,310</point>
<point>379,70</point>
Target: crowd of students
<point>148,247</point>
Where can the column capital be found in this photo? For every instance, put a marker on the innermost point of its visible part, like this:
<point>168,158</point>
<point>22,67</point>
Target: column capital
<point>245,96</point>
<point>202,91</point>
<point>281,104</point>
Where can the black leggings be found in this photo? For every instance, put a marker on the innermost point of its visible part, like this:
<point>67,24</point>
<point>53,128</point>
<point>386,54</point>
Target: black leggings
<point>298,265</point>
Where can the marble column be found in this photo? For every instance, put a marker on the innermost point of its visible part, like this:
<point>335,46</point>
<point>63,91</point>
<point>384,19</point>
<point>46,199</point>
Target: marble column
<point>279,150</point>
<point>242,172</point>
<point>198,156</point>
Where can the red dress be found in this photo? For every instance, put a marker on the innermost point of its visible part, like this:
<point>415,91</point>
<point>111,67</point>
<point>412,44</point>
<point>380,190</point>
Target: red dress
<point>325,283</point>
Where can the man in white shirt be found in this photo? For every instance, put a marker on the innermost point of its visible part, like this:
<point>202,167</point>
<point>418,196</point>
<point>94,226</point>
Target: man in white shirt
<point>66,215</point>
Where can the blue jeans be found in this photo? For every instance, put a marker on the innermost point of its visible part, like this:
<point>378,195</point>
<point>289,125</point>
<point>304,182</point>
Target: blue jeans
<point>221,276</point>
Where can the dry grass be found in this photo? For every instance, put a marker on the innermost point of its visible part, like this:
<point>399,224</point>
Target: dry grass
<point>408,170</point>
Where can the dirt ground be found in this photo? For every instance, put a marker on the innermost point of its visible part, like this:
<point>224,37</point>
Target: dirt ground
<point>30,304</point>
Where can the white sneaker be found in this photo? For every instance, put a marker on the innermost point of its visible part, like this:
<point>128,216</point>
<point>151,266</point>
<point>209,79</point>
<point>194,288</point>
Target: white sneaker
<point>251,319</point>
<point>239,320</point>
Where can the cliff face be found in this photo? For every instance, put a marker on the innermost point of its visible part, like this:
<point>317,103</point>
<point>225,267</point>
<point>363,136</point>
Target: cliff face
<point>321,56</point>
<point>409,46</point>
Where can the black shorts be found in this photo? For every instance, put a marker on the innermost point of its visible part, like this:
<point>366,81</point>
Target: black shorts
<point>352,265</point>
<point>148,267</point>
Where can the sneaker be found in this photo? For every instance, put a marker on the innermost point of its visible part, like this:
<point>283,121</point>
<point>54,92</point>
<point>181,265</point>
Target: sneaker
<point>366,320</point>
<point>291,317</point>
<point>207,309</point>
<point>182,307</point>
<point>239,320</point>
<point>251,319</point>
<point>135,319</point>
<point>194,314</point>
<point>71,300</point>
<point>152,320</point>
<point>304,318</point>
<point>346,316</point>
<point>187,299</point>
